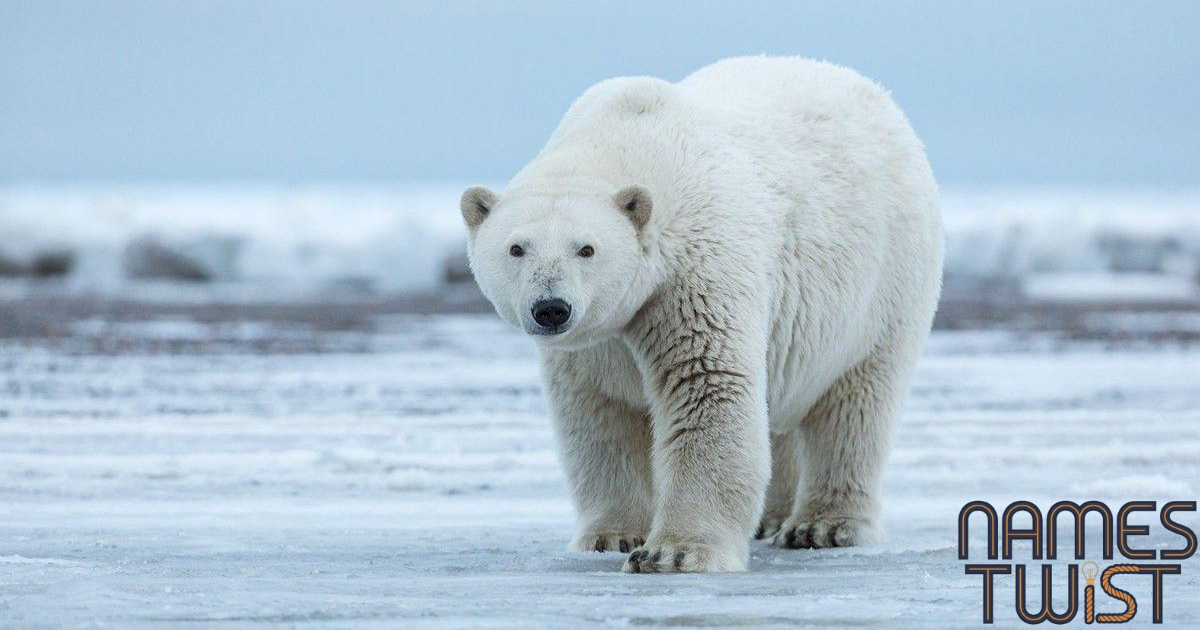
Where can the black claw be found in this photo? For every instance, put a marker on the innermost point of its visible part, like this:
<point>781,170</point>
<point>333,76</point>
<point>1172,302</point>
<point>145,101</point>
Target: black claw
<point>679,560</point>
<point>759,533</point>
<point>656,557</point>
<point>791,538</point>
<point>624,546</point>
<point>599,544</point>
<point>634,567</point>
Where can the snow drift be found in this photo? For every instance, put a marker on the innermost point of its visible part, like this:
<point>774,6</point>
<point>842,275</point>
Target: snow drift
<point>256,243</point>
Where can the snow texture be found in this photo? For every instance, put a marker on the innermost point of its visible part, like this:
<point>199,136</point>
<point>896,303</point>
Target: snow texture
<point>178,474</point>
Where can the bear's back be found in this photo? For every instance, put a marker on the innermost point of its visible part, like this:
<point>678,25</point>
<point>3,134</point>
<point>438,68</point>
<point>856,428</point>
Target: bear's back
<point>622,130</point>
<point>786,85</point>
<point>612,101</point>
<point>770,104</point>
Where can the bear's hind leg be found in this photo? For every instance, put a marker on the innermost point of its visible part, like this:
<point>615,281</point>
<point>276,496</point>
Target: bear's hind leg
<point>785,472</point>
<point>845,439</point>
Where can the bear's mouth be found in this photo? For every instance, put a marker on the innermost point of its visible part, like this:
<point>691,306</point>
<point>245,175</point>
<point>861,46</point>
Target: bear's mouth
<point>548,331</point>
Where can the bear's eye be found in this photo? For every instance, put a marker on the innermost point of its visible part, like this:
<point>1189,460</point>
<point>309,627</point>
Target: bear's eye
<point>516,251</point>
<point>587,251</point>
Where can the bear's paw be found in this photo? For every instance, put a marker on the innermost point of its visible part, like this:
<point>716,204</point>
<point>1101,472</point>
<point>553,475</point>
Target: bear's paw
<point>822,532</point>
<point>623,542</point>
<point>683,557</point>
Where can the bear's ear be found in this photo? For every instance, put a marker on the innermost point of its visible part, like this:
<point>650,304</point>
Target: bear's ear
<point>476,203</point>
<point>635,202</point>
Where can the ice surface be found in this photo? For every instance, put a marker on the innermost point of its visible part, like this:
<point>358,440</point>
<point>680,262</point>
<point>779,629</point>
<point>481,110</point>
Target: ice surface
<point>405,477</point>
<point>252,243</point>
<point>1110,287</point>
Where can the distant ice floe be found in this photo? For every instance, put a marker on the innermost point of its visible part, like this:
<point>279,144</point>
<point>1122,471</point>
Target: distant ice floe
<point>1075,245</point>
<point>256,243</point>
<point>252,242</point>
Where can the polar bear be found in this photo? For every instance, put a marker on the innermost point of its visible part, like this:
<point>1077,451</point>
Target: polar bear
<point>729,280</point>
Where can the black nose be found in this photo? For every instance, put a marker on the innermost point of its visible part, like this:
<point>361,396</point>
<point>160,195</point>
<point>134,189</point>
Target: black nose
<point>551,313</point>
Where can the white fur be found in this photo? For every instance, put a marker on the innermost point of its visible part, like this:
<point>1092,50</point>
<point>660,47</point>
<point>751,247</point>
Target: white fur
<point>772,307</point>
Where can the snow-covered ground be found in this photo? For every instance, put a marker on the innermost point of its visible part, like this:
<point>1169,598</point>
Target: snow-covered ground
<point>172,473</point>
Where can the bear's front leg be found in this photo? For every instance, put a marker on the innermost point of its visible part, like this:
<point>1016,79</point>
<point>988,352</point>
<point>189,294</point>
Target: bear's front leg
<point>604,444</point>
<point>703,359</point>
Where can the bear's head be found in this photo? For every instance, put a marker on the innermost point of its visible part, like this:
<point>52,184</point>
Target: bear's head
<point>559,266</point>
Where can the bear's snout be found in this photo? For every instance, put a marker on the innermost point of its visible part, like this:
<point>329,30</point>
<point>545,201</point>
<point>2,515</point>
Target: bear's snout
<point>551,315</point>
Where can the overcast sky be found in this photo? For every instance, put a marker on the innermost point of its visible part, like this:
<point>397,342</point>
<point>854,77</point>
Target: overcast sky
<point>1075,93</point>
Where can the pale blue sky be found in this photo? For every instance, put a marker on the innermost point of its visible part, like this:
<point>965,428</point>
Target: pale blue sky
<point>1077,93</point>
